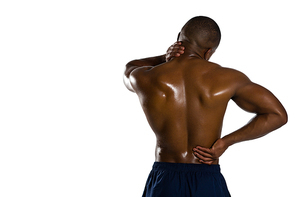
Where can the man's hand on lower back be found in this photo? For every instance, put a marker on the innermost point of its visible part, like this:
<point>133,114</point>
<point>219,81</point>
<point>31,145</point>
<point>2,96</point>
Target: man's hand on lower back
<point>209,155</point>
<point>174,50</point>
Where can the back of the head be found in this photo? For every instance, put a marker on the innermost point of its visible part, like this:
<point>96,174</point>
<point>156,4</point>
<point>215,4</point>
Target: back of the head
<point>202,32</point>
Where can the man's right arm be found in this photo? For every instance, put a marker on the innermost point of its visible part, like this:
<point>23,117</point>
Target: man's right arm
<point>270,113</point>
<point>251,97</point>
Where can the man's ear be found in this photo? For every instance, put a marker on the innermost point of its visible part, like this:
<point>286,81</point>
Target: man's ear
<point>178,36</point>
<point>209,53</point>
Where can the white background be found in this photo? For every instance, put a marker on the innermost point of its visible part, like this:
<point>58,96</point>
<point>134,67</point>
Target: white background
<point>69,127</point>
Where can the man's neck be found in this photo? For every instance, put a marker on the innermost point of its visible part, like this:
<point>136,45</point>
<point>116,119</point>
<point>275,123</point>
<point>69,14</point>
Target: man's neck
<point>192,51</point>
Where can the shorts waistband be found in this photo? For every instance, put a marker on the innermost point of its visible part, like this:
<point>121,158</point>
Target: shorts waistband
<point>186,167</point>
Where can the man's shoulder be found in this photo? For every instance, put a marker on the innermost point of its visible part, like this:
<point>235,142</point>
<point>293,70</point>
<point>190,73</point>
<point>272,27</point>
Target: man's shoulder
<point>227,78</point>
<point>230,73</point>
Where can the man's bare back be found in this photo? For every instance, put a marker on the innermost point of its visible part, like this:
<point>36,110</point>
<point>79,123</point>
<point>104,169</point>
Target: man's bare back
<point>184,101</point>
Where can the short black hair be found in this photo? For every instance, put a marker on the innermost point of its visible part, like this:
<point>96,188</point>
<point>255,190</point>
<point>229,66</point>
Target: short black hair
<point>202,30</point>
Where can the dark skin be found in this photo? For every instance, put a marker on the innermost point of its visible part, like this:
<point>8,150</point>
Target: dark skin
<point>184,97</point>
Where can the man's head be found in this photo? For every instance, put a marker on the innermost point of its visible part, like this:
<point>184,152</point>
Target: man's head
<point>202,32</point>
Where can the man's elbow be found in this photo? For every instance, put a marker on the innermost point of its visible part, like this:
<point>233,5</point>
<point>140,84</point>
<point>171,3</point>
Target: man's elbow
<point>285,118</point>
<point>127,83</point>
<point>282,117</point>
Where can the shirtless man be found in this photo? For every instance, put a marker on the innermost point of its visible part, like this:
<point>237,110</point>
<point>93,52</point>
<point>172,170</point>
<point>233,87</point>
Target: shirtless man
<point>184,97</point>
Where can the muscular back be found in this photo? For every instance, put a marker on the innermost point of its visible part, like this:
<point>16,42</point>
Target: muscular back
<point>184,101</point>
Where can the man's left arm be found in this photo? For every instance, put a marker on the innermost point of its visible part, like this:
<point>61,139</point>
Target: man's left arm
<point>174,50</point>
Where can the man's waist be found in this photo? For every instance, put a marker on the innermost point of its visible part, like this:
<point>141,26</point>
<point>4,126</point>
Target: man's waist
<point>174,155</point>
<point>186,167</point>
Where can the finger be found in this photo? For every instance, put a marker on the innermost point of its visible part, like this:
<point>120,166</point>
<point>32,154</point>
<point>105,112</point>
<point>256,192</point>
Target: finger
<point>203,153</point>
<point>206,162</point>
<point>181,51</point>
<point>206,150</point>
<point>173,54</point>
<point>178,47</point>
<point>198,157</point>
<point>175,49</point>
<point>203,158</point>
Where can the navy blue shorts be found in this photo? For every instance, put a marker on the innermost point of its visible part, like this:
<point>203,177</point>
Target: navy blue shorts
<point>185,180</point>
